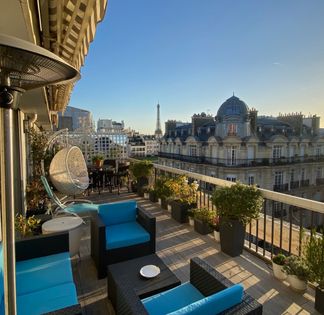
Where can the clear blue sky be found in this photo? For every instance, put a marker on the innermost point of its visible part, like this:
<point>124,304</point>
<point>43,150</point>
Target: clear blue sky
<point>190,55</point>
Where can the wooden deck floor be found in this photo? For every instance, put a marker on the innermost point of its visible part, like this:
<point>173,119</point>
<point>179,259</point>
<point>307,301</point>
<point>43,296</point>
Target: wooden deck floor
<point>176,244</point>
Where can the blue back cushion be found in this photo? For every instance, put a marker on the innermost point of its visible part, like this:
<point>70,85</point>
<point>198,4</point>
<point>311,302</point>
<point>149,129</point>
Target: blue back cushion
<point>43,272</point>
<point>173,299</point>
<point>215,303</point>
<point>118,212</point>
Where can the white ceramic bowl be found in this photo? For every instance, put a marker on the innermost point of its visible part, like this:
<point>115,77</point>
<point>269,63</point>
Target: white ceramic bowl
<point>150,271</point>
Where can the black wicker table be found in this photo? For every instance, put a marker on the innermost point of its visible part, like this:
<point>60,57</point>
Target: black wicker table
<point>124,280</point>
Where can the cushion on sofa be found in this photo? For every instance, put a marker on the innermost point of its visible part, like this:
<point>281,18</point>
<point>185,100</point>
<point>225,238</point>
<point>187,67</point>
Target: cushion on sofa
<point>215,303</point>
<point>82,207</point>
<point>43,272</point>
<point>126,234</point>
<point>50,299</point>
<point>118,212</point>
<point>173,299</point>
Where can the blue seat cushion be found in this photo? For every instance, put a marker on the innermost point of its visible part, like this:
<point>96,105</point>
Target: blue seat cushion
<point>82,207</point>
<point>118,212</point>
<point>47,300</point>
<point>125,234</point>
<point>173,299</point>
<point>43,272</point>
<point>215,303</point>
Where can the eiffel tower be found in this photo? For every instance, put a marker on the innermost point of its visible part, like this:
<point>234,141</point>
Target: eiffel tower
<point>158,130</point>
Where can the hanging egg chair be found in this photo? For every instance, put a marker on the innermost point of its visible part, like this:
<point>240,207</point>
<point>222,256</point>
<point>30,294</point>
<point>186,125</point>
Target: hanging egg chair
<point>68,171</point>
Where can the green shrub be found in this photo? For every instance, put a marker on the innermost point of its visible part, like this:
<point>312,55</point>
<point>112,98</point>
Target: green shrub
<point>295,265</point>
<point>279,259</point>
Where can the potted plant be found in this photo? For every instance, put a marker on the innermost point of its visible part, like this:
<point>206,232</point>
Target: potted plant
<point>314,256</point>
<point>278,262</point>
<point>152,194</point>
<point>163,191</point>
<point>145,190</point>
<point>97,160</point>
<point>184,198</point>
<point>297,271</point>
<point>27,226</point>
<point>215,227</point>
<point>191,217</point>
<point>203,217</point>
<point>236,206</point>
<point>141,171</point>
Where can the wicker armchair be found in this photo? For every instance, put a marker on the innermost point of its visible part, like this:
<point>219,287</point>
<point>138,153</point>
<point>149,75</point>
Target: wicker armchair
<point>205,278</point>
<point>103,256</point>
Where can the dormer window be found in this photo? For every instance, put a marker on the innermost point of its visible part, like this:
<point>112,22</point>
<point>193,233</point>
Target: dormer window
<point>231,129</point>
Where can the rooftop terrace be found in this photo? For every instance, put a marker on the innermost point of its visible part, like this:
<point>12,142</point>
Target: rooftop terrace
<point>176,244</point>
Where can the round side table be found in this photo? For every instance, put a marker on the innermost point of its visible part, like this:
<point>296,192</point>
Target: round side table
<point>71,224</point>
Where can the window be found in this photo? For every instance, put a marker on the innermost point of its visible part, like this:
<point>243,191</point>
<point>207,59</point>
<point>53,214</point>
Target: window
<point>231,155</point>
<point>292,175</point>
<point>318,173</point>
<point>231,129</point>
<point>251,180</point>
<point>276,153</point>
<point>278,180</point>
<point>302,174</point>
<point>192,150</point>
<point>231,178</point>
<point>318,151</point>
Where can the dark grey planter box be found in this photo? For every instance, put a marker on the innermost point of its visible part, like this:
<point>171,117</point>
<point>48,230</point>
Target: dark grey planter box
<point>179,211</point>
<point>202,227</point>
<point>319,300</point>
<point>232,235</point>
<point>153,197</point>
<point>164,204</point>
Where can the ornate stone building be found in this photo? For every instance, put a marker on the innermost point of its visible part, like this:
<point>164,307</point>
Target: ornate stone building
<point>284,154</point>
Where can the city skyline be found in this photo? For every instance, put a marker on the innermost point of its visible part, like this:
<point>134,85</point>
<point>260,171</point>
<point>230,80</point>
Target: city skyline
<point>190,56</point>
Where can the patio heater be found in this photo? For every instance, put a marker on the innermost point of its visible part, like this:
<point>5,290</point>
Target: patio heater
<point>23,66</point>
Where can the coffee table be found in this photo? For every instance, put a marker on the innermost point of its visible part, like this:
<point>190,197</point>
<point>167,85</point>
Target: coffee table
<point>124,280</point>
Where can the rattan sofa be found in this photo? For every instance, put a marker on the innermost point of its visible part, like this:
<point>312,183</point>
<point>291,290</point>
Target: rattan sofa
<point>101,253</point>
<point>205,278</point>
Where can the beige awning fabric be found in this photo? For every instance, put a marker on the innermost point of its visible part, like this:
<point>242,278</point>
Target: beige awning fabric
<point>68,28</point>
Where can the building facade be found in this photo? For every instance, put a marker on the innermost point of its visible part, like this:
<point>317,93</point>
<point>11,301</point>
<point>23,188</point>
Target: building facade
<point>284,154</point>
<point>110,145</point>
<point>108,125</point>
<point>81,119</point>
<point>142,145</point>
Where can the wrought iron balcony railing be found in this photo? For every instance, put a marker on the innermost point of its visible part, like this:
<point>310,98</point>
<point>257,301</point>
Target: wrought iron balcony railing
<point>240,162</point>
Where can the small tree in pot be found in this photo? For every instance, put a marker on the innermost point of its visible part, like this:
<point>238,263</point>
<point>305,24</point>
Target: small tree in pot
<point>314,256</point>
<point>141,171</point>
<point>278,261</point>
<point>98,160</point>
<point>297,271</point>
<point>184,198</point>
<point>163,190</point>
<point>236,205</point>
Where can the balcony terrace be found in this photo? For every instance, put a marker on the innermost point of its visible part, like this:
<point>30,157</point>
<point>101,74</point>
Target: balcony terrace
<point>176,244</point>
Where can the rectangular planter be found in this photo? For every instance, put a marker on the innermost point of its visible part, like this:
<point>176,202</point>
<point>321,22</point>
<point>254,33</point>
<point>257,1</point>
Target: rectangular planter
<point>153,197</point>
<point>202,227</point>
<point>164,204</point>
<point>179,211</point>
